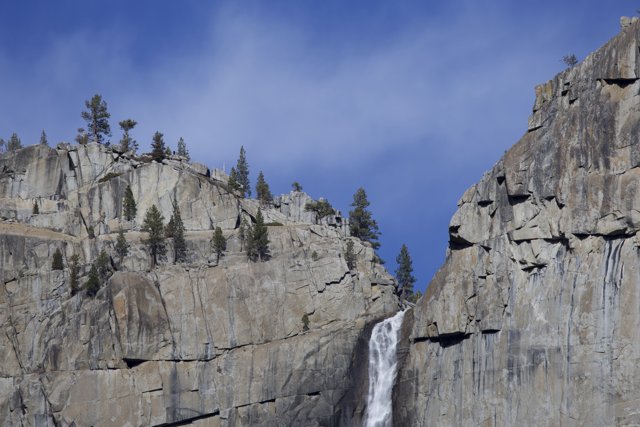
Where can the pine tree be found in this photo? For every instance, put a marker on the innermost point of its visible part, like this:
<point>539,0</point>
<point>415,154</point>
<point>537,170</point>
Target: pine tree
<point>415,297</point>
<point>43,138</point>
<point>263,193</point>
<point>103,264</point>
<point>157,147</point>
<point>74,274</point>
<point>122,247</point>
<point>153,224</point>
<point>3,144</point>
<point>182,149</point>
<point>127,143</point>
<point>242,171</point>
<point>93,282</point>
<point>570,60</point>
<point>361,222</point>
<point>242,232</point>
<point>403,273</point>
<point>249,245</point>
<point>36,208</point>
<point>129,205</point>
<point>56,263</point>
<point>175,231</point>
<point>296,186</point>
<point>233,180</point>
<point>218,243</point>
<point>258,240</point>
<point>82,137</point>
<point>14,143</point>
<point>321,208</point>
<point>350,256</point>
<point>168,229</point>
<point>97,118</point>
<point>167,152</point>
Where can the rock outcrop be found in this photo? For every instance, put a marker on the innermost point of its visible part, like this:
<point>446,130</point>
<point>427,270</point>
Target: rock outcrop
<point>534,318</point>
<point>208,342</point>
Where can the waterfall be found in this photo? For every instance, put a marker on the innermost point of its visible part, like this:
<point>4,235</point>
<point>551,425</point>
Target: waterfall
<point>382,371</point>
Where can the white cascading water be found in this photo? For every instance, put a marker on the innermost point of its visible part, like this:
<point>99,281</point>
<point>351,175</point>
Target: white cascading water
<point>382,371</point>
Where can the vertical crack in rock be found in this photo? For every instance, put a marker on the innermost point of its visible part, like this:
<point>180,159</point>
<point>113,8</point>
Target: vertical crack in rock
<point>167,317</point>
<point>210,344</point>
<point>12,334</point>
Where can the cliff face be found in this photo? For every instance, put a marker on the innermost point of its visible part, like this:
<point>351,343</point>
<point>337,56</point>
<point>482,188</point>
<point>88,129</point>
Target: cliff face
<point>534,319</point>
<point>203,342</point>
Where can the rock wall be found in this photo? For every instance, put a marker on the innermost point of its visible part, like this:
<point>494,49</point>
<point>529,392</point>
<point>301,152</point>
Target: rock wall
<point>534,318</point>
<point>206,342</point>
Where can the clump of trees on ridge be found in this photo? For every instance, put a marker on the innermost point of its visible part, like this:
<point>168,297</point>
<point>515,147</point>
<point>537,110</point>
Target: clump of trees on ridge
<point>254,238</point>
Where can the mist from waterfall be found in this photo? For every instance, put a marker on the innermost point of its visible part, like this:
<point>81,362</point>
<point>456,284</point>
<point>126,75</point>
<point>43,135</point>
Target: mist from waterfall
<point>382,371</point>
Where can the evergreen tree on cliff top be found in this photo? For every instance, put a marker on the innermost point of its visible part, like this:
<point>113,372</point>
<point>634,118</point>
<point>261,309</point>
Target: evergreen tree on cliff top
<point>361,222</point>
<point>242,174</point>
<point>97,118</point>
<point>182,149</point>
<point>14,143</point>
<point>263,193</point>
<point>158,149</point>
<point>127,143</point>
<point>233,181</point>
<point>403,273</point>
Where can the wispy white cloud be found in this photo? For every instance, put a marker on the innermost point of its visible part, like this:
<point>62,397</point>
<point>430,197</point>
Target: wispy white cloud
<point>416,117</point>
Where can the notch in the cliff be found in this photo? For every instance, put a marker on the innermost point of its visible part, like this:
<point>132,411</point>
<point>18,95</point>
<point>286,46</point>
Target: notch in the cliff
<point>189,420</point>
<point>132,363</point>
<point>449,340</point>
<point>517,199</point>
<point>455,241</point>
<point>71,165</point>
<point>620,82</point>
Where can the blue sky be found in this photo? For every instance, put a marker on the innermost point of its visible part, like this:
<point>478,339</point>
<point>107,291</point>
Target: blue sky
<point>413,100</point>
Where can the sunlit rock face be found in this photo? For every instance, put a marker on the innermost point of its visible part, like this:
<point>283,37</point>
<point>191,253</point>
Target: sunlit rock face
<point>206,342</point>
<point>534,319</point>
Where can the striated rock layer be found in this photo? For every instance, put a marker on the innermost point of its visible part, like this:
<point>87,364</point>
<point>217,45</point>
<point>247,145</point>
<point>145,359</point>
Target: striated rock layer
<point>205,342</point>
<point>534,319</point>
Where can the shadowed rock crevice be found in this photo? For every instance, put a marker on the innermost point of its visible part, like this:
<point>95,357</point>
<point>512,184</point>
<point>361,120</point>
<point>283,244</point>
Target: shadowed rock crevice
<point>190,420</point>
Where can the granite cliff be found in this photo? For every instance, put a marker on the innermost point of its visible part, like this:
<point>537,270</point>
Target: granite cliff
<point>534,318</point>
<point>202,342</point>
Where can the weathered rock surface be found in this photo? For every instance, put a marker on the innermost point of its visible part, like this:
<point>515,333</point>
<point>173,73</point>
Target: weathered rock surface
<point>219,343</point>
<point>534,318</point>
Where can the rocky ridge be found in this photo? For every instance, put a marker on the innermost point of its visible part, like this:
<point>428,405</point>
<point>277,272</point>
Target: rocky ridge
<point>203,342</point>
<point>533,319</point>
